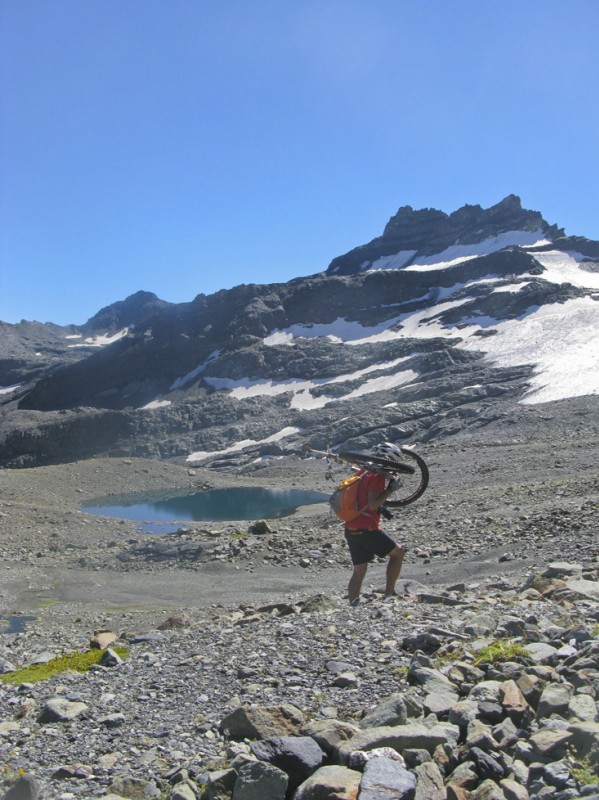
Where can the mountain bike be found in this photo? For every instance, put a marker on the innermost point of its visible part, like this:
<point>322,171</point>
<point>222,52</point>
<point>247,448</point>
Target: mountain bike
<point>411,471</point>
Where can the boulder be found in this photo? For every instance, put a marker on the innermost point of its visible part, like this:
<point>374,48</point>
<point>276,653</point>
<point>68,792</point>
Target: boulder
<point>59,709</point>
<point>386,779</point>
<point>260,722</point>
<point>334,782</point>
<point>257,780</point>
<point>297,756</point>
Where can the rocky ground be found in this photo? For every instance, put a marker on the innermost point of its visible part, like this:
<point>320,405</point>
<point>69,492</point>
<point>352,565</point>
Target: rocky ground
<point>259,624</point>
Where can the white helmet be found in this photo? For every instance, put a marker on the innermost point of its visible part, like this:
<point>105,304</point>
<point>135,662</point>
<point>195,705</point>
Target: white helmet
<point>389,450</point>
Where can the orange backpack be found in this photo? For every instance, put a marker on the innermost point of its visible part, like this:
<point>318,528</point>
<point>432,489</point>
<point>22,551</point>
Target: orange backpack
<point>344,500</point>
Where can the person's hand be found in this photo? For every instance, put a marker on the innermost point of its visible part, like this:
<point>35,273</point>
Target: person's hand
<point>394,485</point>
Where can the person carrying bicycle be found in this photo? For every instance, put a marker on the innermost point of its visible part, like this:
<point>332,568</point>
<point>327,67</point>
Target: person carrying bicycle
<point>363,534</point>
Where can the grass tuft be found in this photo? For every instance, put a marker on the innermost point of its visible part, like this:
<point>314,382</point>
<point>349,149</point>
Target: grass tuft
<point>77,662</point>
<point>499,651</point>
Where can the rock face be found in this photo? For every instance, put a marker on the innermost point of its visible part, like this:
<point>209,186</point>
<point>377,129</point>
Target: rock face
<point>428,231</point>
<point>388,343</point>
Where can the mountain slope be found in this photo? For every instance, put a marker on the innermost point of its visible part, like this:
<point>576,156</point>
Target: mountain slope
<point>444,322</point>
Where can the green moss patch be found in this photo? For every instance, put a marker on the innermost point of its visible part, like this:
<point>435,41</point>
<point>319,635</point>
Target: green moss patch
<point>77,662</point>
<point>500,651</point>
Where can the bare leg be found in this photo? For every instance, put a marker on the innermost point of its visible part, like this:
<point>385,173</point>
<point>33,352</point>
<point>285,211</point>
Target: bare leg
<point>355,582</point>
<point>394,568</point>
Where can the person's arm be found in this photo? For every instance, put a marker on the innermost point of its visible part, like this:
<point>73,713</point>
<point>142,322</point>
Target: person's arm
<point>377,499</point>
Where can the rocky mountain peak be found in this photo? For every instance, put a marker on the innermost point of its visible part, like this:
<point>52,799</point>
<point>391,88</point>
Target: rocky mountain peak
<point>427,231</point>
<point>131,311</point>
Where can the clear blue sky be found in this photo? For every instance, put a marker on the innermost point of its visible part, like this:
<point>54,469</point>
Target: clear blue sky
<point>186,146</point>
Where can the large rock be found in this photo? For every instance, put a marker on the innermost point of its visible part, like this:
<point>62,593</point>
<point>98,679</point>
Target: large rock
<point>429,782</point>
<point>257,780</point>
<point>260,722</point>
<point>59,709</point>
<point>134,788</point>
<point>386,779</point>
<point>585,738</point>
<point>297,756</point>
<point>329,733</point>
<point>25,788</point>
<point>390,711</point>
<point>330,783</point>
<point>413,735</point>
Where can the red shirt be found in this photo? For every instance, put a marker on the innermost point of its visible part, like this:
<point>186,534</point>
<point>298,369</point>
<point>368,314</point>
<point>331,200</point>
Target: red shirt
<point>369,519</point>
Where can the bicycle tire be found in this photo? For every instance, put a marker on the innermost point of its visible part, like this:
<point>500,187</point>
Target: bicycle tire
<point>363,460</point>
<point>418,488</point>
<point>419,473</point>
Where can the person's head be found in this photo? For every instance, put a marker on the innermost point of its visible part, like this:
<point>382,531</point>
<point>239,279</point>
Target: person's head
<point>388,450</point>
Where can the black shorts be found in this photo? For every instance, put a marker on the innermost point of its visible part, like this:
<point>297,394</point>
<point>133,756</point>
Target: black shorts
<point>364,545</point>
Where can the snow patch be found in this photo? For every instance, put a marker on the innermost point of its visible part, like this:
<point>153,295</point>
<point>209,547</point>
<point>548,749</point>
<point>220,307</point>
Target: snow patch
<point>100,341</point>
<point>567,267</point>
<point>279,338</point>
<point>202,455</point>
<point>301,389</point>
<point>179,383</point>
<point>9,389</point>
<point>560,340</point>
<point>155,404</point>
<point>458,253</point>
<point>396,261</point>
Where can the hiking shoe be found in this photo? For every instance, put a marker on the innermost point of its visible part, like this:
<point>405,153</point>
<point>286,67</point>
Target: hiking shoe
<point>355,602</point>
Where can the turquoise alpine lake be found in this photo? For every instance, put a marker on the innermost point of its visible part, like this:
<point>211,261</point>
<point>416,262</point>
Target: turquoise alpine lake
<point>242,503</point>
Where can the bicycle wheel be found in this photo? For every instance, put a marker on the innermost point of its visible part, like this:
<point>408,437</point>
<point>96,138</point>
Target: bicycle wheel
<point>366,461</point>
<point>414,479</point>
<point>414,486</point>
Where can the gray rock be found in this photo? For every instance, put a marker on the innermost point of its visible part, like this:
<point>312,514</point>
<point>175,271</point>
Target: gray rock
<point>585,738</point>
<point>6,666</point>
<point>512,790</point>
<point>583,707</point>
<point>486,691</point>
<point>183,791</point>
<point>489,790</point>
<point>546,741</point>
<point>429,782</point>
<point>220,784</point>
<point>110,658</point>
<point>345,680</point>
<point>541,653</point>
<point>112,720</point>
<point>390,711</point>
<point>555,699</point>
<point>260,722</point>
<point>487,765</point>
<point>561,569</point>
<point>337,667</point>
<point>134,788</point>
<point>329,782</point>
<point>432,680</point>
<point>413,735</point>
<point>480,625</point>
<point>359,758</point>
<point>462,713</point>
<point>385,779</point>
<point>59,709</point>
<point>588,590</point>
<point>297,756</point>
<point>329,733</point>
<point>439,703</point>
<point>257,780</point>
<point>25,788</point>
